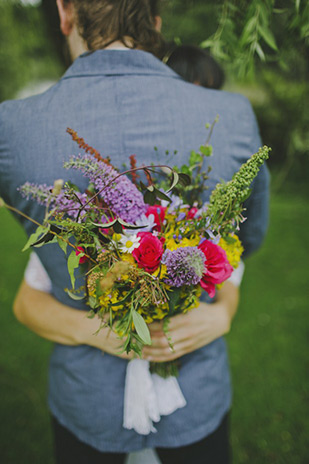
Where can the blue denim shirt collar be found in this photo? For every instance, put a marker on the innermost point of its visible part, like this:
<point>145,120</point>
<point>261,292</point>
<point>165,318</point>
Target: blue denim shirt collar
<point>118,62</point>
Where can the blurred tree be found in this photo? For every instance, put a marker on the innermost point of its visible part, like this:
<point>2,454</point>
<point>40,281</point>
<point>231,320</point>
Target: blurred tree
<point>26,53</point>
<point>242,30</point>
<point>264,47</point>
<point>56,39</point>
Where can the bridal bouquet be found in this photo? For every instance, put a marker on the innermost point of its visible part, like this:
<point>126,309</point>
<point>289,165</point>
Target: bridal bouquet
<point>147,245</point>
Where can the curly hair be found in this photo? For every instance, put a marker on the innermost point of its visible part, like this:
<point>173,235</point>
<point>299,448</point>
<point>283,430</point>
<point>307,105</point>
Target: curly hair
<point>101,22</point>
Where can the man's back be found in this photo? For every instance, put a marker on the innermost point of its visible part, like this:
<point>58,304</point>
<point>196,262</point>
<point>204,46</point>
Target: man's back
<point>123,103</point>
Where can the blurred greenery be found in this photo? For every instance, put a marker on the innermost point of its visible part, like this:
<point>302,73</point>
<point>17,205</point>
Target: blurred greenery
<point>269,359</point>
<point>263,45</point>
<point>24,425</point>
<point>267,344</point>
<point>26,54</point>
<point>238,32</point>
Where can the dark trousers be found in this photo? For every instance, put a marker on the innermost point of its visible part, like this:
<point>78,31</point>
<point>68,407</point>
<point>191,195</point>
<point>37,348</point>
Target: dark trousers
<point>214,449</point>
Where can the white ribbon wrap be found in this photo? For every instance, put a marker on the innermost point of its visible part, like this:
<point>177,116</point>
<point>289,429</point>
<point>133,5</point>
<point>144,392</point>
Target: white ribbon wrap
<point>147,397</point>
<point>36,276</point>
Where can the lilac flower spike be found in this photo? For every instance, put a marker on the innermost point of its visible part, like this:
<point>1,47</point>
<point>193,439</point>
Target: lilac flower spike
<point>40,193</point>
<point>185,266</point>
<point>71,206</point>
<point>44,195</point>
<point>122,196</point>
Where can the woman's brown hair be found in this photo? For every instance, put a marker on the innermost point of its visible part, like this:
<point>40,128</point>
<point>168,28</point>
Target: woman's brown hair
<point>132,22</point>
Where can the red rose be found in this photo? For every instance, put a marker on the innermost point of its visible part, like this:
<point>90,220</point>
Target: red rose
<point>149,253</point>
<point>218,269</point>
<point>159,214</point>
<point>78,251</point>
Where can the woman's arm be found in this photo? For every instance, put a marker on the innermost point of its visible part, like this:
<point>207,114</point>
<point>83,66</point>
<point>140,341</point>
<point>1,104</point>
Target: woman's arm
<point>50,319</point>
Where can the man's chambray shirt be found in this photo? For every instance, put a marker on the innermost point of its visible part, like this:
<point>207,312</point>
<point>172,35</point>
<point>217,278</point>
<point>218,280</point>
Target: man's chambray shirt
<point>124,103</point>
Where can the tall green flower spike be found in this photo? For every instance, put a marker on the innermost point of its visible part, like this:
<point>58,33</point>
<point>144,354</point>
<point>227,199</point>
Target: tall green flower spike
<point>226,201</point>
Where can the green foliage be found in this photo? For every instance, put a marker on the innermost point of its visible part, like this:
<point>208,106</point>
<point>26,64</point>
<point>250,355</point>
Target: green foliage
<point>243,33</point>
<point>270,370</point>
<point>76,297</point>
<point>26,53</point>
<point>141,328</point>
<point>165,369</point>
<point>63,245</point>
<point>73,263</point>
<point>33,238</point>
<point>284,121</point>
<point>226,200</point>
<point>263,46</point>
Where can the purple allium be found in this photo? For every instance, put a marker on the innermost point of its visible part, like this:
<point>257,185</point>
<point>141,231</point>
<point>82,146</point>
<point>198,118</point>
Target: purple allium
<point>185,266</point>
<point>122,196</point>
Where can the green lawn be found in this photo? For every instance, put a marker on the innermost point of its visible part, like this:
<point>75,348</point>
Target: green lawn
<point>268,351</point>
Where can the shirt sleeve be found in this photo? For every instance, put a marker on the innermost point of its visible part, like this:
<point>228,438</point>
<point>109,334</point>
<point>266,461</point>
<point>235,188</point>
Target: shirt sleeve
<point>36,275</point>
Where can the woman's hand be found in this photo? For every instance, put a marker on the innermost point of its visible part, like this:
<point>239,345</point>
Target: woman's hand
<point>187,332</point>
<point>197,328</point>
<point>107,341</point>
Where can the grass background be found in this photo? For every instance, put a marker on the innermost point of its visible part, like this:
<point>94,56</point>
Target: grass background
<point>268,350</point>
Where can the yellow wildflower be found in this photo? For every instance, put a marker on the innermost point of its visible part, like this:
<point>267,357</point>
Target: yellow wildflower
<point>128,258</point>
<point>162,271</point>
<point>233,250</point>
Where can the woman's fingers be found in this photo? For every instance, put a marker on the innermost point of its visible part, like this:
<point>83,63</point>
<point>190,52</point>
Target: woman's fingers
<point>156,328</point>
<point>159,342</point>
<point>162,352</point>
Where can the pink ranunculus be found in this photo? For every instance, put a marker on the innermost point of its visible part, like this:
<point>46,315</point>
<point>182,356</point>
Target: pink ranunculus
<point>149,253</point>
<point>159,214</point>
<point>78,251</point>
<point>217,267</point>
<point>192,212</point>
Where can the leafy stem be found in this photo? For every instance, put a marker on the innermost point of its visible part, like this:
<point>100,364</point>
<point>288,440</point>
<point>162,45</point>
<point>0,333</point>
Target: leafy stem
<point>60,237</point>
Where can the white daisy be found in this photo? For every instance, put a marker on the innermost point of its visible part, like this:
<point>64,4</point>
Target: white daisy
<point>129,243</point>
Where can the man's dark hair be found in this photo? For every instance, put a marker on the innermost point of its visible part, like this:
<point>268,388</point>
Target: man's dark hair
<point>195,65</point>
<point>102,22</point>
